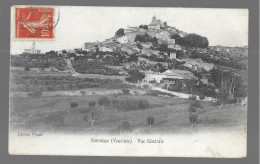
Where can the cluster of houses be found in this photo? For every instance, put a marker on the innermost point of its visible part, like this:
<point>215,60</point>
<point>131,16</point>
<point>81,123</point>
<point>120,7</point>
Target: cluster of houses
<point>126,43</point>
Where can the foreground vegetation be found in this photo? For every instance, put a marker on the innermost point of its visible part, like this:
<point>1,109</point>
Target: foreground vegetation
<point>124,113</point>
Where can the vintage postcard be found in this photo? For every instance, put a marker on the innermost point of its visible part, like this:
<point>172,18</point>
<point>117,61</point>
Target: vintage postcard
<point>128,81</point>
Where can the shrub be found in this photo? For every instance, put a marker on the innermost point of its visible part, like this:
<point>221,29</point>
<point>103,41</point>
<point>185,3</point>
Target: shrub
<point>83,93</point>
<point>150,121</point>
<point>196,104</point>
<point>193,118</point>
<point>201,97</point>
<point>27,68</point>
<point>125,127</point>
<point>135,75</point>
<point>232,101</point>
<point>139,46</point>
<point>192,109</point>
<point>120,32</point>
<point>193,98</point>
<point>143,26</point>
<point>94,116</point>
<point>73,105</point>
<point>103,101</point>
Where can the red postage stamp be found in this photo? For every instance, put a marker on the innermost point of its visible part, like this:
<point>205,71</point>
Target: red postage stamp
<point>34,23</point>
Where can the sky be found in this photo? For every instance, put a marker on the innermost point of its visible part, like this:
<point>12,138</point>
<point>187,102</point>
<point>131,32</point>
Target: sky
<point>77,25</point>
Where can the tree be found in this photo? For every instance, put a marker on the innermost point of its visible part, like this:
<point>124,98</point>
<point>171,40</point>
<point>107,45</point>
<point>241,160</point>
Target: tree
<point>193,118</point>
<point>194,40</point>
<point>143,26</point>
<point>154,40</point>
<point>135,75</point>
<point>201,97</point>
<point>93,116</point>
<point>73,105</point>
<point>64,52</point>
<point>145,38</point>
<point>120,32</point>
<point>103,101</point>
<point>196,104</point>
<point>163,47</point>
<point>124,127</point>
<point>150,121</point>
<point>92,104</point>
<point>139,46</point>
<point>175,36</point>
<point>192,109</point>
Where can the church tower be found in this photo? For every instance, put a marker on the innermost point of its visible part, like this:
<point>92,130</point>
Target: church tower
<point>154,18</point>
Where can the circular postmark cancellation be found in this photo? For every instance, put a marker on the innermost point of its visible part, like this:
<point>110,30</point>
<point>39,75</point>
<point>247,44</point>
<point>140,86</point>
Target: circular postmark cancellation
<point>35,22</point>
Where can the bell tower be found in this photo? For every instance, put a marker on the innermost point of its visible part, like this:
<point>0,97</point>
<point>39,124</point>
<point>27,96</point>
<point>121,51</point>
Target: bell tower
<point>154,18</point>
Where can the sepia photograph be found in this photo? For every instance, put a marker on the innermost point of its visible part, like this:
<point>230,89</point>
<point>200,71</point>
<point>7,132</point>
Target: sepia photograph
<point>128,81</point>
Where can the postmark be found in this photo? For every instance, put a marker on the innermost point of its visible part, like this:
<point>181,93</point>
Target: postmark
<point>34,23</point>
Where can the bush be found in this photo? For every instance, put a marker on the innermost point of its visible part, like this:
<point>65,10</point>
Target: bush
<point>135,76</point>
<point>103,101</point>
<point>125,127</point>
<point>232,101</point>
<point>145,38</point>
<point>120,32</point>
<point>196,104</point>
<point>73,105</point>
<point>192,109</point>
<point>143,26</point>
<point>150,121</point>
<point>201,97</point>
<point>193,98</point>
<point>193,118</point>
<point>139,46</point>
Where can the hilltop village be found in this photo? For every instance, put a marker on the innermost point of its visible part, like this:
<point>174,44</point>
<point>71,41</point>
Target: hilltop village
<point>156,55</point>
<point>153,75</point>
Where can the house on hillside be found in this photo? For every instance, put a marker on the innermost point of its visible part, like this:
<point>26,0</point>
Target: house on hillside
<point>151,76</point>
<point>172,55</point>
<point>164,35</point>
<point>123,39</point>
<point>129,50</point>
<point>153,27</point>
<point>105,49</point>
<point>146,45</point>
<point>171,41</point>
<point>198,64</point>
<point>89,47</point>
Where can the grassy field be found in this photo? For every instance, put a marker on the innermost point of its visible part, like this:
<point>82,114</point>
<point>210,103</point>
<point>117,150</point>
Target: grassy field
<point>171,115</point>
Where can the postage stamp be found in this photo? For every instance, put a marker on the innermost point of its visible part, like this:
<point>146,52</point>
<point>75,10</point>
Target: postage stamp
<point>34,22</point>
